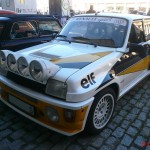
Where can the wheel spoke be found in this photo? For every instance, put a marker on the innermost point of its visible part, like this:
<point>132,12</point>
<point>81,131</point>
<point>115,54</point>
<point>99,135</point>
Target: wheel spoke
<point>103,111</point>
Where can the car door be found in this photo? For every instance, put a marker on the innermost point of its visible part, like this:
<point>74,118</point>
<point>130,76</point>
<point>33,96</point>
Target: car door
<point>147,35</point>
<point>136,61</point>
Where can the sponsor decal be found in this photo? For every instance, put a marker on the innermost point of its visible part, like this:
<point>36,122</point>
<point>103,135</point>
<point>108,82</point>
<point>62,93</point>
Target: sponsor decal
<point>79,61</point>
<point>114,21</point>
<point>88,81</point>
<point>140,65</point>
<point>109,77</point>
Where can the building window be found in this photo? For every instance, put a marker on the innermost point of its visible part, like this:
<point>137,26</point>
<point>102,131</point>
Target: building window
<point>21,1</point>
<point>8,3</point>
<point>0,3</point>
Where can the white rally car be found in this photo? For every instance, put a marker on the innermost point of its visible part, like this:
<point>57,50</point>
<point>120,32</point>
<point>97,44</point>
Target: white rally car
<point>73,83</point>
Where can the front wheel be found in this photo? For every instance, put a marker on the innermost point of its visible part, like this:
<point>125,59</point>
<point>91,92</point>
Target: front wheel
<point>101,111</point>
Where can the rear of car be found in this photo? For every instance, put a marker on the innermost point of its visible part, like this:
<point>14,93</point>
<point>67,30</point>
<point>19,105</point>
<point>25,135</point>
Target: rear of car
<point>6,12</point>
<point>22,31</point>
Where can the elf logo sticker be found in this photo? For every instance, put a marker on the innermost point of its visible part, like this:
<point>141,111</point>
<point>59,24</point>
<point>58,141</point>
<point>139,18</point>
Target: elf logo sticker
<point>88,81</point>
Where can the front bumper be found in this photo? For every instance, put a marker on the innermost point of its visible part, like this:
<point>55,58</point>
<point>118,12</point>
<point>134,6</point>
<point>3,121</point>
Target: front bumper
<point>39,102</point>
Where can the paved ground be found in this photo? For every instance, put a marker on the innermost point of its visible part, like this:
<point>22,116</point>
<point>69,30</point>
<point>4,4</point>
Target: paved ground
<point>128,130</point>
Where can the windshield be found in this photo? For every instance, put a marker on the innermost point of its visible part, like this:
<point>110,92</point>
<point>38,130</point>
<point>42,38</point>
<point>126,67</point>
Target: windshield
<point>1,27</point>
<point>101,31</point>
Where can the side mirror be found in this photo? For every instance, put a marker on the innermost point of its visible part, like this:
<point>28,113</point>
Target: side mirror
<point>128,45</point>
<point>55,34</point>
<point>135,47</point>
<point>148,37</point>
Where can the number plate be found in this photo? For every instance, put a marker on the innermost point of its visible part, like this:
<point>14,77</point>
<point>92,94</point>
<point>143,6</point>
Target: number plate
<point>21,105</point>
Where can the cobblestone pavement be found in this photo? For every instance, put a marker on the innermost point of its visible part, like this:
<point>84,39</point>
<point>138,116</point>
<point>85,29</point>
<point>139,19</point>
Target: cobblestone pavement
<point>128,129</point>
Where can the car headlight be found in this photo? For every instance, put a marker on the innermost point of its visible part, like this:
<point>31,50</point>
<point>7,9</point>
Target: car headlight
<point>56,88</point>
<point>22,65</point>
<point>36,70</point>
<point>3,58</point>
<point>12,62</point>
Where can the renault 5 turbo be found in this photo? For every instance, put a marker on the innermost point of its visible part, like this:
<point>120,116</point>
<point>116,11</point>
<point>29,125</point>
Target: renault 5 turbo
<point>73,83</point>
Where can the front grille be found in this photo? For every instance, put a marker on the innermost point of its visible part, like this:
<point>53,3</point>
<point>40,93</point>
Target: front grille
<point>26,82</point>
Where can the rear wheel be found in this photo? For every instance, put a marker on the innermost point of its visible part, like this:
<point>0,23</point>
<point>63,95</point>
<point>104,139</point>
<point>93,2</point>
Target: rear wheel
<point>101,111</point>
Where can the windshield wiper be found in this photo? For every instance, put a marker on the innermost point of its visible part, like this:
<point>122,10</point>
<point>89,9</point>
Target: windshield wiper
<point>63,36</point>
<point>85,39</point>
<point>106,42</point>
<point>60,35</point>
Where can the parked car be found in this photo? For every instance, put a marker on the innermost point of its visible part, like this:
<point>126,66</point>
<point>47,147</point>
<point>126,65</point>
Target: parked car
<point>141,13</point>
<point>73,83</point>
<point>22,31</point>
<point>4,12</point>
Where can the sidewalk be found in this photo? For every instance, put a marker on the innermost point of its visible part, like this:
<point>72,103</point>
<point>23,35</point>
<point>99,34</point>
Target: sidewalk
<point>129,128</point>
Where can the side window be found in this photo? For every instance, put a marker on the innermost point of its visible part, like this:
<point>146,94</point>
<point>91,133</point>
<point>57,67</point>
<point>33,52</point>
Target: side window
<point>47,28</point>
<point>24,29</point>
<point>136,33</point>
<point>147,29</point>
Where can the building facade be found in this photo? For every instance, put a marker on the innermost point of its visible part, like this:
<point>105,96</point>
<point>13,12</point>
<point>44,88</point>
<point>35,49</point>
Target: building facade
<point>7,4</point>
<point>26,6</point>
<point>123,6</point>
<point>20,6</point>
<point>42,6</point>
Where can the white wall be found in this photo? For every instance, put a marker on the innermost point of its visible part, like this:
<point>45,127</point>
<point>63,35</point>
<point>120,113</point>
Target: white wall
<point>43,6</point>
<point>9,5</point>
<point>66,6</point>
<point>26,6</point>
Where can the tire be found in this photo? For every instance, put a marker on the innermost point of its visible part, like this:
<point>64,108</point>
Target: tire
<point>101,111</point>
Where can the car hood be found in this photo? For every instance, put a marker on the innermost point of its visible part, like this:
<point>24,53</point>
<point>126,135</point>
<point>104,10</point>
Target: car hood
<point>67,55</point>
